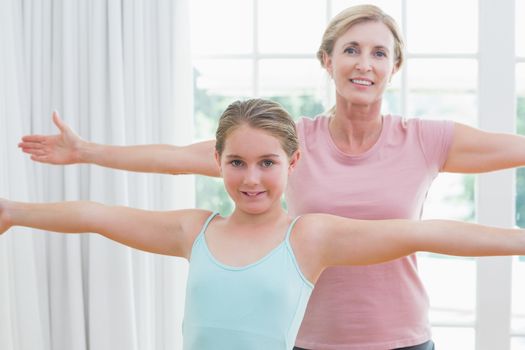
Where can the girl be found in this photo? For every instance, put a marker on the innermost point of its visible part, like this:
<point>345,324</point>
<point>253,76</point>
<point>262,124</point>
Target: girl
<point>252,273</point>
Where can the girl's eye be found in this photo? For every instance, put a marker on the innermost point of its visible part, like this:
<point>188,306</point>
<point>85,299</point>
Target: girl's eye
<point>236,163</point>
<point>380,54</point>
<point>267,163</point>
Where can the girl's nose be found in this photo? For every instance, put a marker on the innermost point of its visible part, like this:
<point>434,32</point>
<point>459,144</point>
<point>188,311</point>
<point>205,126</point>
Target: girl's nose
<point>252,176</point>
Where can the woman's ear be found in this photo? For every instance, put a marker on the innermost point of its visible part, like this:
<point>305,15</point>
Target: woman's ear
<point>394,70</point>
<point>294,159</point>
<point>327,64</point>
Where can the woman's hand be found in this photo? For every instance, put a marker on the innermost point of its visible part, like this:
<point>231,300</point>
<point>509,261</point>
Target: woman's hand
<point>4,216</point>
<point>62,148</point>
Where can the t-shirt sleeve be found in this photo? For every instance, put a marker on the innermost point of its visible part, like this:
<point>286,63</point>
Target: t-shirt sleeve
<point>435,137</point>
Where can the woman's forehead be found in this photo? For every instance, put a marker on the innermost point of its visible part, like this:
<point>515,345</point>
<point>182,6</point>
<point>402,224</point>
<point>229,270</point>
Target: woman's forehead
<point>373,33</point>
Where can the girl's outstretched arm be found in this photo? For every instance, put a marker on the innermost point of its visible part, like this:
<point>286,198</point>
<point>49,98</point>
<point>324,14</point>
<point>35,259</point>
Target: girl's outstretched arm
<point>342,241</point>
<point>69,148</point>
<point>169,233</point>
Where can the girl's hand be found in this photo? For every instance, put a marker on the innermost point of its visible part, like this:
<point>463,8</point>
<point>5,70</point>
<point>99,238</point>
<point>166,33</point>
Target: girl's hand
<point>54,149</point>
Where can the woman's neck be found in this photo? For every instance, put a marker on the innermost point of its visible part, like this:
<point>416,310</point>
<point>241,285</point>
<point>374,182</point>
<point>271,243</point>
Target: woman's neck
<point>355,129</point>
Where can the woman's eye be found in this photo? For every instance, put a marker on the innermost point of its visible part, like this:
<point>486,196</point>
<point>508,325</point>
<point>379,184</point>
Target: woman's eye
<point>380,54</point>
<point>350,50</point>
<point>236,163</point>
<point>267,163</point>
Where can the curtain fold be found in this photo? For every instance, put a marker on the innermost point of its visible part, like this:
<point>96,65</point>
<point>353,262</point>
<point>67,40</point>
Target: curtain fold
<point>119,72</point>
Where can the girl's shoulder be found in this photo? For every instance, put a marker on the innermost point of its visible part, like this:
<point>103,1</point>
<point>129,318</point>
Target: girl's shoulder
<point>194,219</point>
<point>311,226</point>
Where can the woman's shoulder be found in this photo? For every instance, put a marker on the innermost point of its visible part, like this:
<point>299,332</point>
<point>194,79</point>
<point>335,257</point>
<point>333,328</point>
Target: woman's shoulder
<point>309,129</point>
<point>312,122</point>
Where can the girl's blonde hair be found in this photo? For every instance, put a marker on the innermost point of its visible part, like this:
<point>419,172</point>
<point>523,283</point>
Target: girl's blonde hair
<point>359,14</point>
<point>259,114</point>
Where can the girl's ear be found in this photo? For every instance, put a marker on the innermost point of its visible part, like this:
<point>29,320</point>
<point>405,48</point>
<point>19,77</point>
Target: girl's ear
<point>294,160</point>
<point>218,161</point>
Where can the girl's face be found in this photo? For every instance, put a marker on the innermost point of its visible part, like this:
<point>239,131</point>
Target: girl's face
<point>255,169</point>
<point>362,63</point>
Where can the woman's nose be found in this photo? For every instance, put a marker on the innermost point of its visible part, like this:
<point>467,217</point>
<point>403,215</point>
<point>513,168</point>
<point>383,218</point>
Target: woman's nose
<point>363,64</point>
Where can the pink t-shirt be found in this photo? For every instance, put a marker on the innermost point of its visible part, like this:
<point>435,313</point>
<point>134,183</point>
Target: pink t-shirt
<point>374,307</point>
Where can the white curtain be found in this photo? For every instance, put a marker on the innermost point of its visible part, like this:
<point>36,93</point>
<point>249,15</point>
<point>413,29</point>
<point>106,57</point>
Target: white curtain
<point>118,72</point>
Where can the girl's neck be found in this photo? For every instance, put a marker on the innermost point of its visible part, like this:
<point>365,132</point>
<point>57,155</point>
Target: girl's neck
<point>272,215</point>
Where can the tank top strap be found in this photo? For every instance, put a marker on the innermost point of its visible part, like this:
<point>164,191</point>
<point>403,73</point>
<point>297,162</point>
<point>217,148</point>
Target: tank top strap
<point>207,222</point>
<point>203,229</point>
<point>288,233</point>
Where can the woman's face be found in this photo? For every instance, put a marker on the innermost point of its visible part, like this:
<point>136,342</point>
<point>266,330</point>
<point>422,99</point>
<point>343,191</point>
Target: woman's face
<point>362,63</point>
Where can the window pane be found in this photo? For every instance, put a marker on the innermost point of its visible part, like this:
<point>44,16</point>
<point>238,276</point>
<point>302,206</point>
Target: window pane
<point>225,77</point>
<point>518,268</point>
<point>446,89</point>
<point>443,89</point>
<point>446,26</point>
<point>221,27</point>
<point>520,83</point>
<point>451,287</point>
<point>298,84</point>
<point>392,97</point>
<point>520,28</point>
<point>454,338</point>
<point>517,343</point>
<point>292,26</point>
<point>518,291</point>
<point>392,7</point>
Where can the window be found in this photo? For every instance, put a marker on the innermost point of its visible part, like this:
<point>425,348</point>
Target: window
<point>247,48</point>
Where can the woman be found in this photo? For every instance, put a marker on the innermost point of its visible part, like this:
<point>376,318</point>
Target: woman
<point>356,163</point>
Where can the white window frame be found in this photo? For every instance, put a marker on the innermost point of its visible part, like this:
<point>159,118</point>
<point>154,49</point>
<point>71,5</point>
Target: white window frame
<point>495,193</point>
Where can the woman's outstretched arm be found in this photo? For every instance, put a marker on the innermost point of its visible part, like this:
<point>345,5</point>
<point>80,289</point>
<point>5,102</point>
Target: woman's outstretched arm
<point>477,151</point>
<point>69,148</point>
<point>169,232</point>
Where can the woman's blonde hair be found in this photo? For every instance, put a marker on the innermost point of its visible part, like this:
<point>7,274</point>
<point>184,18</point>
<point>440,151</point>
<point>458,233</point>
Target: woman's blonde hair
<point>259,114</point>
<point>359,14</point>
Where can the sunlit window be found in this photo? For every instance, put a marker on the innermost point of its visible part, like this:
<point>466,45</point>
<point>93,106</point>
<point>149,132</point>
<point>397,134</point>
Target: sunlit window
<point>266,48</point>
<point>520,29</point>
<point>442,27</point>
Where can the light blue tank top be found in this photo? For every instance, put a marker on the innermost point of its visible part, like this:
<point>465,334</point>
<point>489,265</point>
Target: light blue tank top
<point>258,306</point>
